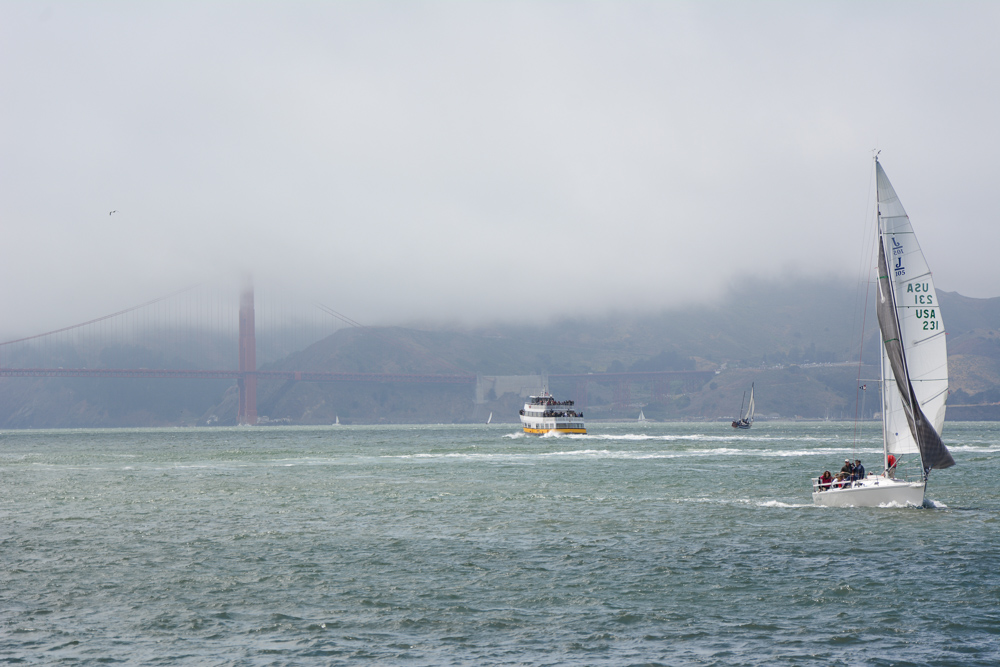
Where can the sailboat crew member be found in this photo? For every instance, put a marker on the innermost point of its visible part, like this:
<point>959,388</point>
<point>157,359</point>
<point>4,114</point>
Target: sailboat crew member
<point>890,471</point>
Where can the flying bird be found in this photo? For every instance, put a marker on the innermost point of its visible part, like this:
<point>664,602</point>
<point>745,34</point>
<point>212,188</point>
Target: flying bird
<point>113,212</point>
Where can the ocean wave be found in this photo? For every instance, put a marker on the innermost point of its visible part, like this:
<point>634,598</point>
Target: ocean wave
<point>631,454</point>
<point>778,503</point>
<point>991,448</point>
<point>834,439</point>
<point>701,437</point>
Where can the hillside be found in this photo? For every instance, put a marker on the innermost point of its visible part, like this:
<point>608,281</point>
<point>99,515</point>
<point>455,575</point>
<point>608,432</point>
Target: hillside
<point>796,340</point>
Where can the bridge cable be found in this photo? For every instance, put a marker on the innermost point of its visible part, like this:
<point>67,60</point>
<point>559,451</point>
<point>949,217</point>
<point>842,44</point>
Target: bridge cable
<point>101,319</point>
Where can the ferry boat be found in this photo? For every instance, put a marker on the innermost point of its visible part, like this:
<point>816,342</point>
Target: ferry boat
<point>544,414</point>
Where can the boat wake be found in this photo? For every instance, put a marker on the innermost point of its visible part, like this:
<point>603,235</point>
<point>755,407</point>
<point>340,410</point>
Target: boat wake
<point>778,503</point>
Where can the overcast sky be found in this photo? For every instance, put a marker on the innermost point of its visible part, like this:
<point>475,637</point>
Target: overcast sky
<point>483,161</point>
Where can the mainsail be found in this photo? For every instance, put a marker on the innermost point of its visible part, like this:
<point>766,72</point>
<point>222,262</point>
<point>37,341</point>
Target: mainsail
<point>749,416</point>
<point>915,354</point>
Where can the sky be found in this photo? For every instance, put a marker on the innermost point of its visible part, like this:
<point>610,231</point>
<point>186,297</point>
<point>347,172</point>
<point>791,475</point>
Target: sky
<point>482,162</point>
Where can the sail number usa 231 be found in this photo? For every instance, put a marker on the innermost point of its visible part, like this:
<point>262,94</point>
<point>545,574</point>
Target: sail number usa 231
<point>920,292</point>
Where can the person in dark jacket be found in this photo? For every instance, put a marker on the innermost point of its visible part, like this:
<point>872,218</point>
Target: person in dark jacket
<point>859,470</point>
<point>848,470</point>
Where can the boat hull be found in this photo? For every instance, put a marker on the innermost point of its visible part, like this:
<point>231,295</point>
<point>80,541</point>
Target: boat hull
<point>873,491</point>
<point>543,431</point>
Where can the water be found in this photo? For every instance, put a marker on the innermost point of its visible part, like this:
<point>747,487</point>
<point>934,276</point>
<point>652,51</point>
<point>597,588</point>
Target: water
<point>663,544</point>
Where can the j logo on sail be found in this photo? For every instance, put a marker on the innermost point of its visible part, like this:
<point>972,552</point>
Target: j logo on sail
<point>900,271</point>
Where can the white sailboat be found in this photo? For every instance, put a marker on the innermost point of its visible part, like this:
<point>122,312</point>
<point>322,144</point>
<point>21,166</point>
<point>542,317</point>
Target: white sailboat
<point>914,367</point>
<point>490,418</point>
<point>337,423</point>
<point>747,420</point>
<point>642,418</point>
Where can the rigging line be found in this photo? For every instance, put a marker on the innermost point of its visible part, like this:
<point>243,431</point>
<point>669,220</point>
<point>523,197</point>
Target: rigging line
<point>101,319</point>
<point>863,274</point>
<point>864,315</point>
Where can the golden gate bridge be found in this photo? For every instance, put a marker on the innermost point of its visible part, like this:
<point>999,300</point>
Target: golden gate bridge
<point>162,321</point>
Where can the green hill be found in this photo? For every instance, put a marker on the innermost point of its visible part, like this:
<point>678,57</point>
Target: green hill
<point>797,340</point>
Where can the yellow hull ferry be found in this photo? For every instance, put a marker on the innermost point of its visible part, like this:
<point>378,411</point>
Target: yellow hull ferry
<point>544,414</point>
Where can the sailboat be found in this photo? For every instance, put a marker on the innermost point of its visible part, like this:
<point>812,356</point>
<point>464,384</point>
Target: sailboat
<point>642,417</point>
<point>914,367</point>
<point>490,418</point>
<point>337,423</point>
<point>747,420</point>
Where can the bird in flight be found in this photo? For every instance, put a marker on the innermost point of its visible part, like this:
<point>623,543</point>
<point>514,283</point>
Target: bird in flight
<point>115,211</point>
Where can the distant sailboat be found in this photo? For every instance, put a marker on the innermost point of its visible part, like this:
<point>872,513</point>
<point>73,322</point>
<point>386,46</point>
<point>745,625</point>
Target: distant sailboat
<point>642,417</point>
<point>490,418</point>
<point>747,420</point>
<point>337,423</point>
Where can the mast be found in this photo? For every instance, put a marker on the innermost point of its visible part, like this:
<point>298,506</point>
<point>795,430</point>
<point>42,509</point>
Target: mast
<point>881,339</point>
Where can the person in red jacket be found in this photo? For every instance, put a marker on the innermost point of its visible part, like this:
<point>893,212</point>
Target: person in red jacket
<point>825,480</point>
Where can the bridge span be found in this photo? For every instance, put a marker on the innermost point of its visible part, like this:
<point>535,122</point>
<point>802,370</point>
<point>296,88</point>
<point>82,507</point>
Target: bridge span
<point>247,375</point>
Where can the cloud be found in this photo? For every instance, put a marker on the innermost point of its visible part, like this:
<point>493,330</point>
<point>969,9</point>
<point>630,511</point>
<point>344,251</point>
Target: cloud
<point>481,161</point>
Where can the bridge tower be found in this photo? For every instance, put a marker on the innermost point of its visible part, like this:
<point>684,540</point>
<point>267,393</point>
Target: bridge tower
<point>248,358</point>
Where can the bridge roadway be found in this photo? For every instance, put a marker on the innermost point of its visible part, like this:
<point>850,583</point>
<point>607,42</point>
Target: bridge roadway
<point>304,376</point>
<point>312,376</point>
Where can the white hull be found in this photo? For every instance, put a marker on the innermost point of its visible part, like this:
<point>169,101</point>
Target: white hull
<point>874,491</point>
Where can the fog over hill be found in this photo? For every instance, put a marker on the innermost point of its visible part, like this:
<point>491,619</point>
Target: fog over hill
<point>798,341</point>
<point>435,160</point>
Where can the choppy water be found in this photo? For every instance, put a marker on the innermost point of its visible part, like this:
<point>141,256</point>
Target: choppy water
<point>444,545</point>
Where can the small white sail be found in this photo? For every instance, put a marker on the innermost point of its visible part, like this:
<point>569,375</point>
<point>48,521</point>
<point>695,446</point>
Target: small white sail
<point>490,418</point>
<point>642,417</point>
<point>749,416</point>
